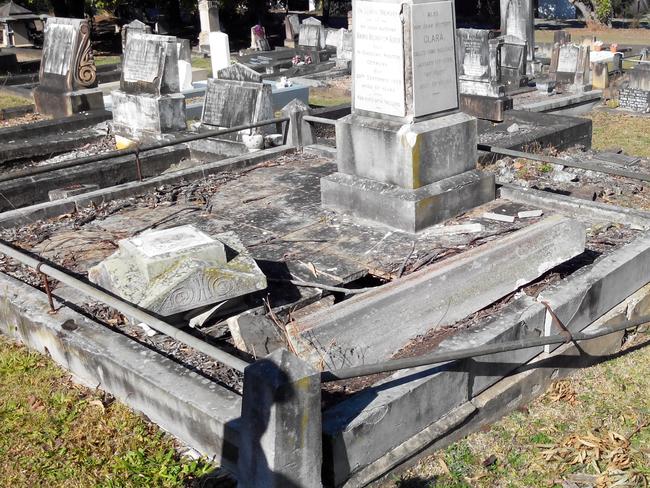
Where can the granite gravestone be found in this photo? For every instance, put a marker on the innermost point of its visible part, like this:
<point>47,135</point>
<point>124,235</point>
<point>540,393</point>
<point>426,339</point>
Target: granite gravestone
<point>482,93</point>
<point>635,95</point>
<point>570,67</point>
<point>406,156</point>
<point>148,103</point>
<point>209,17</point>
<point>68,78</point>
<point>237,96</point>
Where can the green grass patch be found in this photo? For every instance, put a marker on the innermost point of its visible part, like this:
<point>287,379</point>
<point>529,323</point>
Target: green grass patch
<point>550,442</point>
<point>7,100</point>
<point>202,63</point>
<point>102,60</point>
<point>57,434</point>
<point>628,132</point>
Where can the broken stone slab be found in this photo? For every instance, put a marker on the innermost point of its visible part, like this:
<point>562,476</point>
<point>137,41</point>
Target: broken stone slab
<point>176,270</point>
<point>499,217</point>
<point>70,191</point>
<point>373,326</point>
<point>255,333</point>
<point>530,214</point>
<point>591,292</point>
<point>451,230</point>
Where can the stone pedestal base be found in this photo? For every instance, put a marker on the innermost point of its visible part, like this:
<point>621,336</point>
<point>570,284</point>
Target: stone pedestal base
<point>141,117</point>
<point>406,155</point>
<point>290,43</point>
<point>487,108</point>
<point>57,104</point>
<point>407,210</point>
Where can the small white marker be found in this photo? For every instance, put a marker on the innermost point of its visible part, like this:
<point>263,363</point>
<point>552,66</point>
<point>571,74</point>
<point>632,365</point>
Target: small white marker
<point>529,214</point>
<point>499,217</point>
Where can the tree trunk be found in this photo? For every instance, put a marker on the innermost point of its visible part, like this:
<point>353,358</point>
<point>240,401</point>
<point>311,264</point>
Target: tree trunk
<point>586,11</point>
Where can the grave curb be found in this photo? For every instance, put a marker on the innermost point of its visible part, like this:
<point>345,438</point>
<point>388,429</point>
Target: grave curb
<point>27,215</point>
<point>196,410</point>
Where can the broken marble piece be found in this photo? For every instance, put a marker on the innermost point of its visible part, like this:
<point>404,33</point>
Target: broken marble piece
<point>180,269</point>
<point>530,214</point>
<point>499,217</point>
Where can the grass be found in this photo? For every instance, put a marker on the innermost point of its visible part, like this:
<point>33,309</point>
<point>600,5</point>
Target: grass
<point>102,60</point>
<point>202,63</point>
<point>621,36</point>
<point>593,428</point>
<point>627,132</point>
<point>8,100</point>
<point>54,433</point>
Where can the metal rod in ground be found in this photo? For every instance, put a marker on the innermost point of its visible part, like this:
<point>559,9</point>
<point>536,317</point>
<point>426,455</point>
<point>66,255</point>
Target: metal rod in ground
<point>319,120</point>
<point>471,352</point>
<point>134,150</point>
<point>125,307</point>
<point>600,168</point>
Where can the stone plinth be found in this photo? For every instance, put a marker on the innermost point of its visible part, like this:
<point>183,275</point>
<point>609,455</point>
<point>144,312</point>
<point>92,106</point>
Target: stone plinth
<point>407,210</point>
<point>176,270</point>
<point>67,79</point>
<point>406,157</point>
<point>149,103</point>
<point>209,18</point>
<point>145,117</point>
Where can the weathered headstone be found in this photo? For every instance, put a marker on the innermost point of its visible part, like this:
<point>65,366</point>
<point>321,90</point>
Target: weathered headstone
<point>132,28</point>
<point>219,51</point>
<point>635,95</point>
<point>259,42</point>
<point>482,92</point>
<point>209,17</point>
<point>512,63</point>
<point>571,67</point>
<point>184,52</point>
<point>68,78</point>
<point>322,32</point>
<point>310,36</point>
<point>175,270</point>
<point>148,103</point>
<point>518,20</point>
<point>406,156</point>
<point>344,50</point>
<point>291,29</point>
<point>237,96</point>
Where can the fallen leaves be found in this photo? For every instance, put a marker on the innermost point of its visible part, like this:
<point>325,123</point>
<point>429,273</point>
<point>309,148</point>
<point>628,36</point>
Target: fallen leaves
<point>562,391</point>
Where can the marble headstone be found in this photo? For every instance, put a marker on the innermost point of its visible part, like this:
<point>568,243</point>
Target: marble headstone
<point>68,76</point>
<point>237,96</point>
<point>517,20</point>
<point>322,42</point>
<point>184,52</point>
<point>219,51</point>
<point>570,66</point>
<point>149,103</point>
<point>406,157</point>
<point>209,18</point>
<point>134,27</point>
<point>176,270</point>
<point>391,36</point>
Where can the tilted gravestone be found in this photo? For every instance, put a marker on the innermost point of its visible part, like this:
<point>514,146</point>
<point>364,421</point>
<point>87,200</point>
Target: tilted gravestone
<point>175,270</point>
<point>209,18</point>
<point>635,95</point>
<point>148,103</point>
<point>291,29</point>
<point>184,53</point>
<point>406,156</point>
<point>482,92</point>
<point>571,67</point>
<point>237,96</point>
<point>518,20</point>
<point>135,27</point>
<point>68,78</point>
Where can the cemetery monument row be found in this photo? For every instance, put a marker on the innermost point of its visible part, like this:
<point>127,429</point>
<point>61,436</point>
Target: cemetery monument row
<point>406,156</point>
<point>68,78</point>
